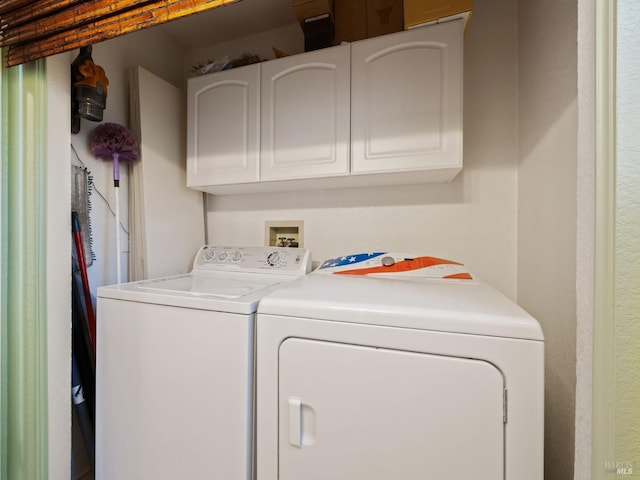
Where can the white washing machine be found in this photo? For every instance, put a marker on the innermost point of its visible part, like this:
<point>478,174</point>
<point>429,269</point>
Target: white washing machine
<point>388,366</point>
<point>175,366</point>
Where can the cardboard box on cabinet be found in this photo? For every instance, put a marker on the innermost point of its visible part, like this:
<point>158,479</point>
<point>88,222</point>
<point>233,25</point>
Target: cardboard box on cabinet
<point>350,20</point>
<point>359,19</point>
<point>418,12</point>
<point>318,32</point>
<point>383,17</point>
<point>311,8</point>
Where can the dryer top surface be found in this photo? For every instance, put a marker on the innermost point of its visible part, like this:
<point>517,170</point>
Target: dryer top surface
<point>446,305</point>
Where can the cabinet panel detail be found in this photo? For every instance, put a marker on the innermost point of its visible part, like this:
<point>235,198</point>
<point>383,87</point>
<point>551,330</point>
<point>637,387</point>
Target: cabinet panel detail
<point>224,141</point>
<point>407,107</point>
<point>305,115</point>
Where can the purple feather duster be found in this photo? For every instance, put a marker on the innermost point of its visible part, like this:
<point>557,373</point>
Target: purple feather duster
<point>113,141</point>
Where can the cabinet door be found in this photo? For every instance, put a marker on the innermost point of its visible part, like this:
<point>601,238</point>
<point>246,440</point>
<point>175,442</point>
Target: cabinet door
<point>305,115</point>
<point>407,100</point>
<point>223,125</point>
<point>350,412</point>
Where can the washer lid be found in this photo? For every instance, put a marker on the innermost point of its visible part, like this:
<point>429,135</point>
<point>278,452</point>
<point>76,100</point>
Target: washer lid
<point>217,291</point>
<point>206,285</point>
<point>458,306</point>
<point>224,279</point>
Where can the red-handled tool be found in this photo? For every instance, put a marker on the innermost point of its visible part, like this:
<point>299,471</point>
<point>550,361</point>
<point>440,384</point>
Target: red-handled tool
<point>77,238</point>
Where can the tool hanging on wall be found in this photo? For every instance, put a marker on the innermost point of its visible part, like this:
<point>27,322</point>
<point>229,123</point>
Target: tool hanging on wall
<point>88,89</point>
<point>112,141</point>
<point>82,267</point>
<point>81,190</point>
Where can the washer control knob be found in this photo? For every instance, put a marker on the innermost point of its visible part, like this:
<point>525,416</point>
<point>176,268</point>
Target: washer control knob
<point>223,256</point>
<point>237,256</point>
<point>274,258</point>
<point>388,261</point>
<point>208,255</point>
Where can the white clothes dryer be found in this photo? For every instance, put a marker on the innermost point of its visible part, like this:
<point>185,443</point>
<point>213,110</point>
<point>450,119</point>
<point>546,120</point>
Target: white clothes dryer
<point>175,366</point>
<point>389,366</point>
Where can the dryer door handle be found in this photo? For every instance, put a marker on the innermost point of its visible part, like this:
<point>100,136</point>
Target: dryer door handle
<point>295,421</point>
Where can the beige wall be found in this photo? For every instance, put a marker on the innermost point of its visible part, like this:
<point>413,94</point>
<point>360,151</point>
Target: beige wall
<point>585,238</point>
<point>627,285</point>
<point>510,215</point>
<point>547,39</point>
<point>157,53</point>
<point>472,219</point>
<point>289,39</point>
<point>153,50</point>
<point>58,267</point>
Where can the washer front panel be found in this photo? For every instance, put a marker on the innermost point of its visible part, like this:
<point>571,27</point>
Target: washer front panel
<point>174,396</point>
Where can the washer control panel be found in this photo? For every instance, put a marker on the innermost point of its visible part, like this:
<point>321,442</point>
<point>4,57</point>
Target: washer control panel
<point>291,261</point>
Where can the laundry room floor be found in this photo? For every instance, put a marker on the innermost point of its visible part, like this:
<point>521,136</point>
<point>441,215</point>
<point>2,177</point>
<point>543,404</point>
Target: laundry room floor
<point>81,465</point>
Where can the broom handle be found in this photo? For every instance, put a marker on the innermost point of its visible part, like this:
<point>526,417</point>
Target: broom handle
<point>116,184</point>
<point>91,318</point>
<point>118,267</point>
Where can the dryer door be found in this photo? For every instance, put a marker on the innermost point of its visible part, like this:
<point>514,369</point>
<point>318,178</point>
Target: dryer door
<point>351,412</point>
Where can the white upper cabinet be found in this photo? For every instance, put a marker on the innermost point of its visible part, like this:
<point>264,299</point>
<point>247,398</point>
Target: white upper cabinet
<point>381,111</point>
<point>406,110</point>
<point>305,115</point>
<point>223,111</point>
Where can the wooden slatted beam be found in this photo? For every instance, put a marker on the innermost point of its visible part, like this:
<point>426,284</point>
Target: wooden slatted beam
<point>66,19</point>
<point>30,12</point>
<point>147,15</point>
<point>8,5</point>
